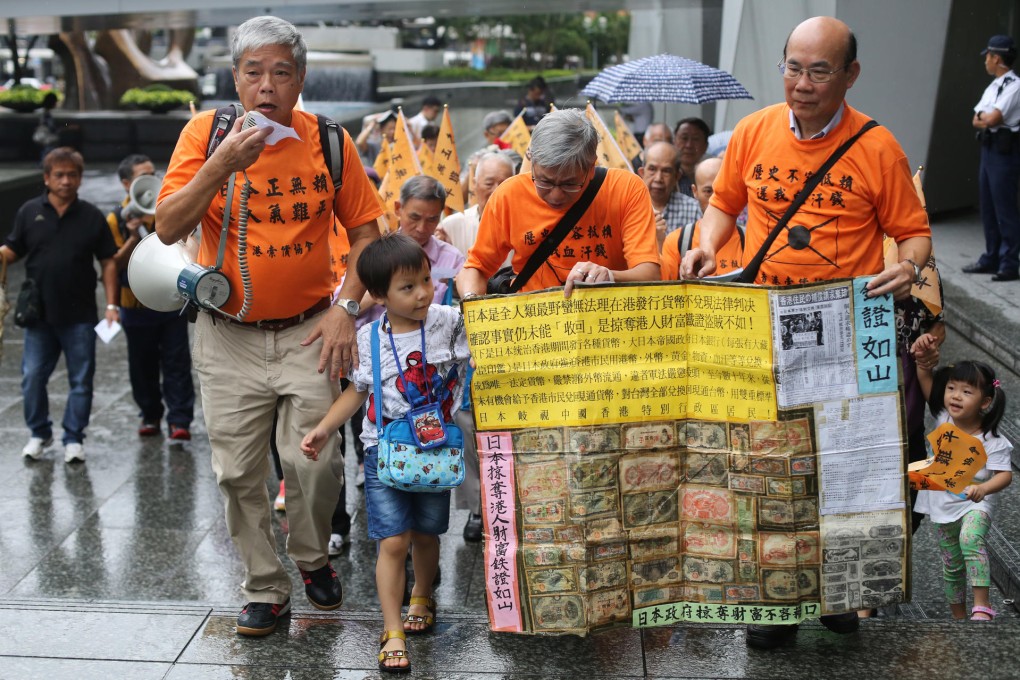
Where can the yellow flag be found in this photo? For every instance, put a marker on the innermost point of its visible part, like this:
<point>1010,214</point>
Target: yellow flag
<point>525,166</point>
<point>425,158</point>
<point>403,162</point>
<point>382,161</point>
<point>625,138</point>
<point>608,152</point>
<point>918,188</point>
<point>518,136</point>
<point>387,197</point>
<point>446,164</point>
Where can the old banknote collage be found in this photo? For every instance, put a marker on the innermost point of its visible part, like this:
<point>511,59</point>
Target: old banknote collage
<point>618,518</point>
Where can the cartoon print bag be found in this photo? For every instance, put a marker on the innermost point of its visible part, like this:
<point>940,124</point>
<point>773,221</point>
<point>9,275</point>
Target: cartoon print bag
<point>403,464</point>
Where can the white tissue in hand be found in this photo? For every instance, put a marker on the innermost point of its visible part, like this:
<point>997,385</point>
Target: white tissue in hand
<point>278,131</point>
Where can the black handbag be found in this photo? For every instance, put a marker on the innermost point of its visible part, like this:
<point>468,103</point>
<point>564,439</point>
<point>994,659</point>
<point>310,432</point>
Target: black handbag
<point>28,309</point>
<point>505,281</point>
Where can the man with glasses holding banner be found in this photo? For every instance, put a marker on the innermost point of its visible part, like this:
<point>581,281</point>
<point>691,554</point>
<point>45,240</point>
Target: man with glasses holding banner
<point>613,239</point>
<point>837,232</point>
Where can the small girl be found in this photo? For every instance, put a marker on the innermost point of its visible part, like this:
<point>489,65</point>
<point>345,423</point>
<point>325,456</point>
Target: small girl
<point>967,395</point>
<point>419,341</point>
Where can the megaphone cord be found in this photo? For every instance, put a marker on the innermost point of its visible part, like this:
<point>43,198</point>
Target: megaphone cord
<point>242,248</point>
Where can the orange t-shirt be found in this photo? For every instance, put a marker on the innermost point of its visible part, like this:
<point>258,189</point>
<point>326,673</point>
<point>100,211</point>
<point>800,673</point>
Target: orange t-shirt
<point>292,207</point>
<point>617,231</point>
<point>727,259</point>
<point>838,231</point>
<point>339,249</point>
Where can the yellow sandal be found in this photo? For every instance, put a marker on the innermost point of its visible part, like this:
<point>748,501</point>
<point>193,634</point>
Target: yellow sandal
<point>429,619</point>
<point>386,655</point>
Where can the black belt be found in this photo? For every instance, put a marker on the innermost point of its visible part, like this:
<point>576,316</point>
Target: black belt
<point>281,324</point>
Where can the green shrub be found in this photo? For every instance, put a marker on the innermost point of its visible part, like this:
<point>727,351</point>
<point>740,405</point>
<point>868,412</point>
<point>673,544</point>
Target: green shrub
<point>24,97</point>
<point>156,98</point>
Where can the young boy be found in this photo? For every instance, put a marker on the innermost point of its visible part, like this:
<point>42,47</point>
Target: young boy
<point>397,274</point>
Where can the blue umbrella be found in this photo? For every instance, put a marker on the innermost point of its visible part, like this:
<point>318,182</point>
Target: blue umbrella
<point>664,78</point>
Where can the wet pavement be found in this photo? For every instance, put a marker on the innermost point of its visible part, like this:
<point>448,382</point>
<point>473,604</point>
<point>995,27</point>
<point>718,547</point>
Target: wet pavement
<point>122,567</point>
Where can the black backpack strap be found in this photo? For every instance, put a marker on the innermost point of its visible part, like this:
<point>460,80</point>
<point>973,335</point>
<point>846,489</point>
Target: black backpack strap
<point>332,140</point>
<point>559,232</point>
<point>222,122</point>
<point>742,231</point>
<point>750,272</point>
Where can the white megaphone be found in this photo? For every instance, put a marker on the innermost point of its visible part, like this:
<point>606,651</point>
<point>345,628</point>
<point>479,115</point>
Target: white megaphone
<point>142,195</point>
<point>164,277</point>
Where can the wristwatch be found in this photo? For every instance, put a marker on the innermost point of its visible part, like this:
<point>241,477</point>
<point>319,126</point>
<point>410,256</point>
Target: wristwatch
<point>917,270</point>
<point>349,306</point>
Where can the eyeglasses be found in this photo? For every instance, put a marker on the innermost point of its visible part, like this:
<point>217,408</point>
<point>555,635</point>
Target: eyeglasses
<point>815,75</point>
<point>568,187</point>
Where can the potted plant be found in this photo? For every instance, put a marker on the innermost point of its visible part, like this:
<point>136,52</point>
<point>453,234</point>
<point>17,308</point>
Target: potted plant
<point>23,98</point>
<point>156,98</point>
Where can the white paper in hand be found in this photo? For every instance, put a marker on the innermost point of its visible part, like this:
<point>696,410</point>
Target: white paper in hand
<point>107,331</point>
<point>278,131</point>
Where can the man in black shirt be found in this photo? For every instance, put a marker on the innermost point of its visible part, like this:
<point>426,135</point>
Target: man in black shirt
<point>59,235</point>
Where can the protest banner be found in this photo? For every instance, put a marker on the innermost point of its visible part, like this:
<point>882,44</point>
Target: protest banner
<point>656,453</point>
<point>625,138</point>
<point>956,458</point>
<point>446,164</point>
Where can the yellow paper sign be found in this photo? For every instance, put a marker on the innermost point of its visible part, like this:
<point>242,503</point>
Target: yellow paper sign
<point>957,457</point>
<point>630,353</point>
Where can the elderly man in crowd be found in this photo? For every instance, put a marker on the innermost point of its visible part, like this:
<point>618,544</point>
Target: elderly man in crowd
<point>613,240</point>
<point>673,209</point>
<point>871,193</point>
<point>292,207</point>
<point>691,139</point>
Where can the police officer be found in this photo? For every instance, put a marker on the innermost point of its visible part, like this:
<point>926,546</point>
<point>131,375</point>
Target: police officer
<point>997,119</point>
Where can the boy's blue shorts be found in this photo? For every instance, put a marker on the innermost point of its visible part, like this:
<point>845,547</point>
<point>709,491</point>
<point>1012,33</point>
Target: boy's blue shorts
<point>392,512</point>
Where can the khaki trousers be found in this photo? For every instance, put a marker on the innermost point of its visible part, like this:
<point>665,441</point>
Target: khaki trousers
<point>246,375</point>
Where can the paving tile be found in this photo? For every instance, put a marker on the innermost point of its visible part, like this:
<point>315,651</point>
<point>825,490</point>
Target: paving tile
<point>34,668</point>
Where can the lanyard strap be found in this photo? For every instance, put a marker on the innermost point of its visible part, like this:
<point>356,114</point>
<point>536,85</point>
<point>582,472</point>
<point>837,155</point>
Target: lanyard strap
<point>377,382</point>
<point>424,362</point>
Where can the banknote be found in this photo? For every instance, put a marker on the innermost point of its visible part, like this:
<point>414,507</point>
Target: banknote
<point>809,548</point>
<point>543,555</point>
<point>706,504</point>
<point>703,570</point>
<point>775,466</point>
<point>538,535</point>
<point>833,555</point>
<point>807,582</point>
<point>789,437</point>
<point>705,468</point>
<point>747,483</point>
<point>654,507</point>
<point>609,606</point>
<point>834,589</point>
<point>833,578</point>
<point>740,438</point>
<point>882,585</point>
<point>545,440</point>
<point>779,584</point>
<point>747,550</point>
<point>802,465</point>
<point>649,471</point>
<point>608,551</point>
<point>735,592</point>
<point>885,531</point>
<point>596,472</point>
<point>648,596</point>
<point>543,581</point>
<point>557,612</point>
<point>786,486</point>
<point>569,534</point>
<point>747,571</point>
<point>805,512</point>
<point>541,481</point>
<point>710,540</point>
<point>706,435</point>
<point>662,542</point>
<point>700,592</point>
<point>745,513</point>
<point>544,512</point>
<point>594,503</point>
<point>890,547</point>
<point>881,568</point>
<point>777,549</point>
<point>588,440</point>
<point>775,513</point>
<point>604,575</point>
<point>649,436</point>
<point>656,571</point>
<point>740,462</point>
<point>834,568</point>
<point>602,530</point>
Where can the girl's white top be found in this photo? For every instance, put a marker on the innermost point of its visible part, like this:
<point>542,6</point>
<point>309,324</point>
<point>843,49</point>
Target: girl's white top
<point>943,507</point>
